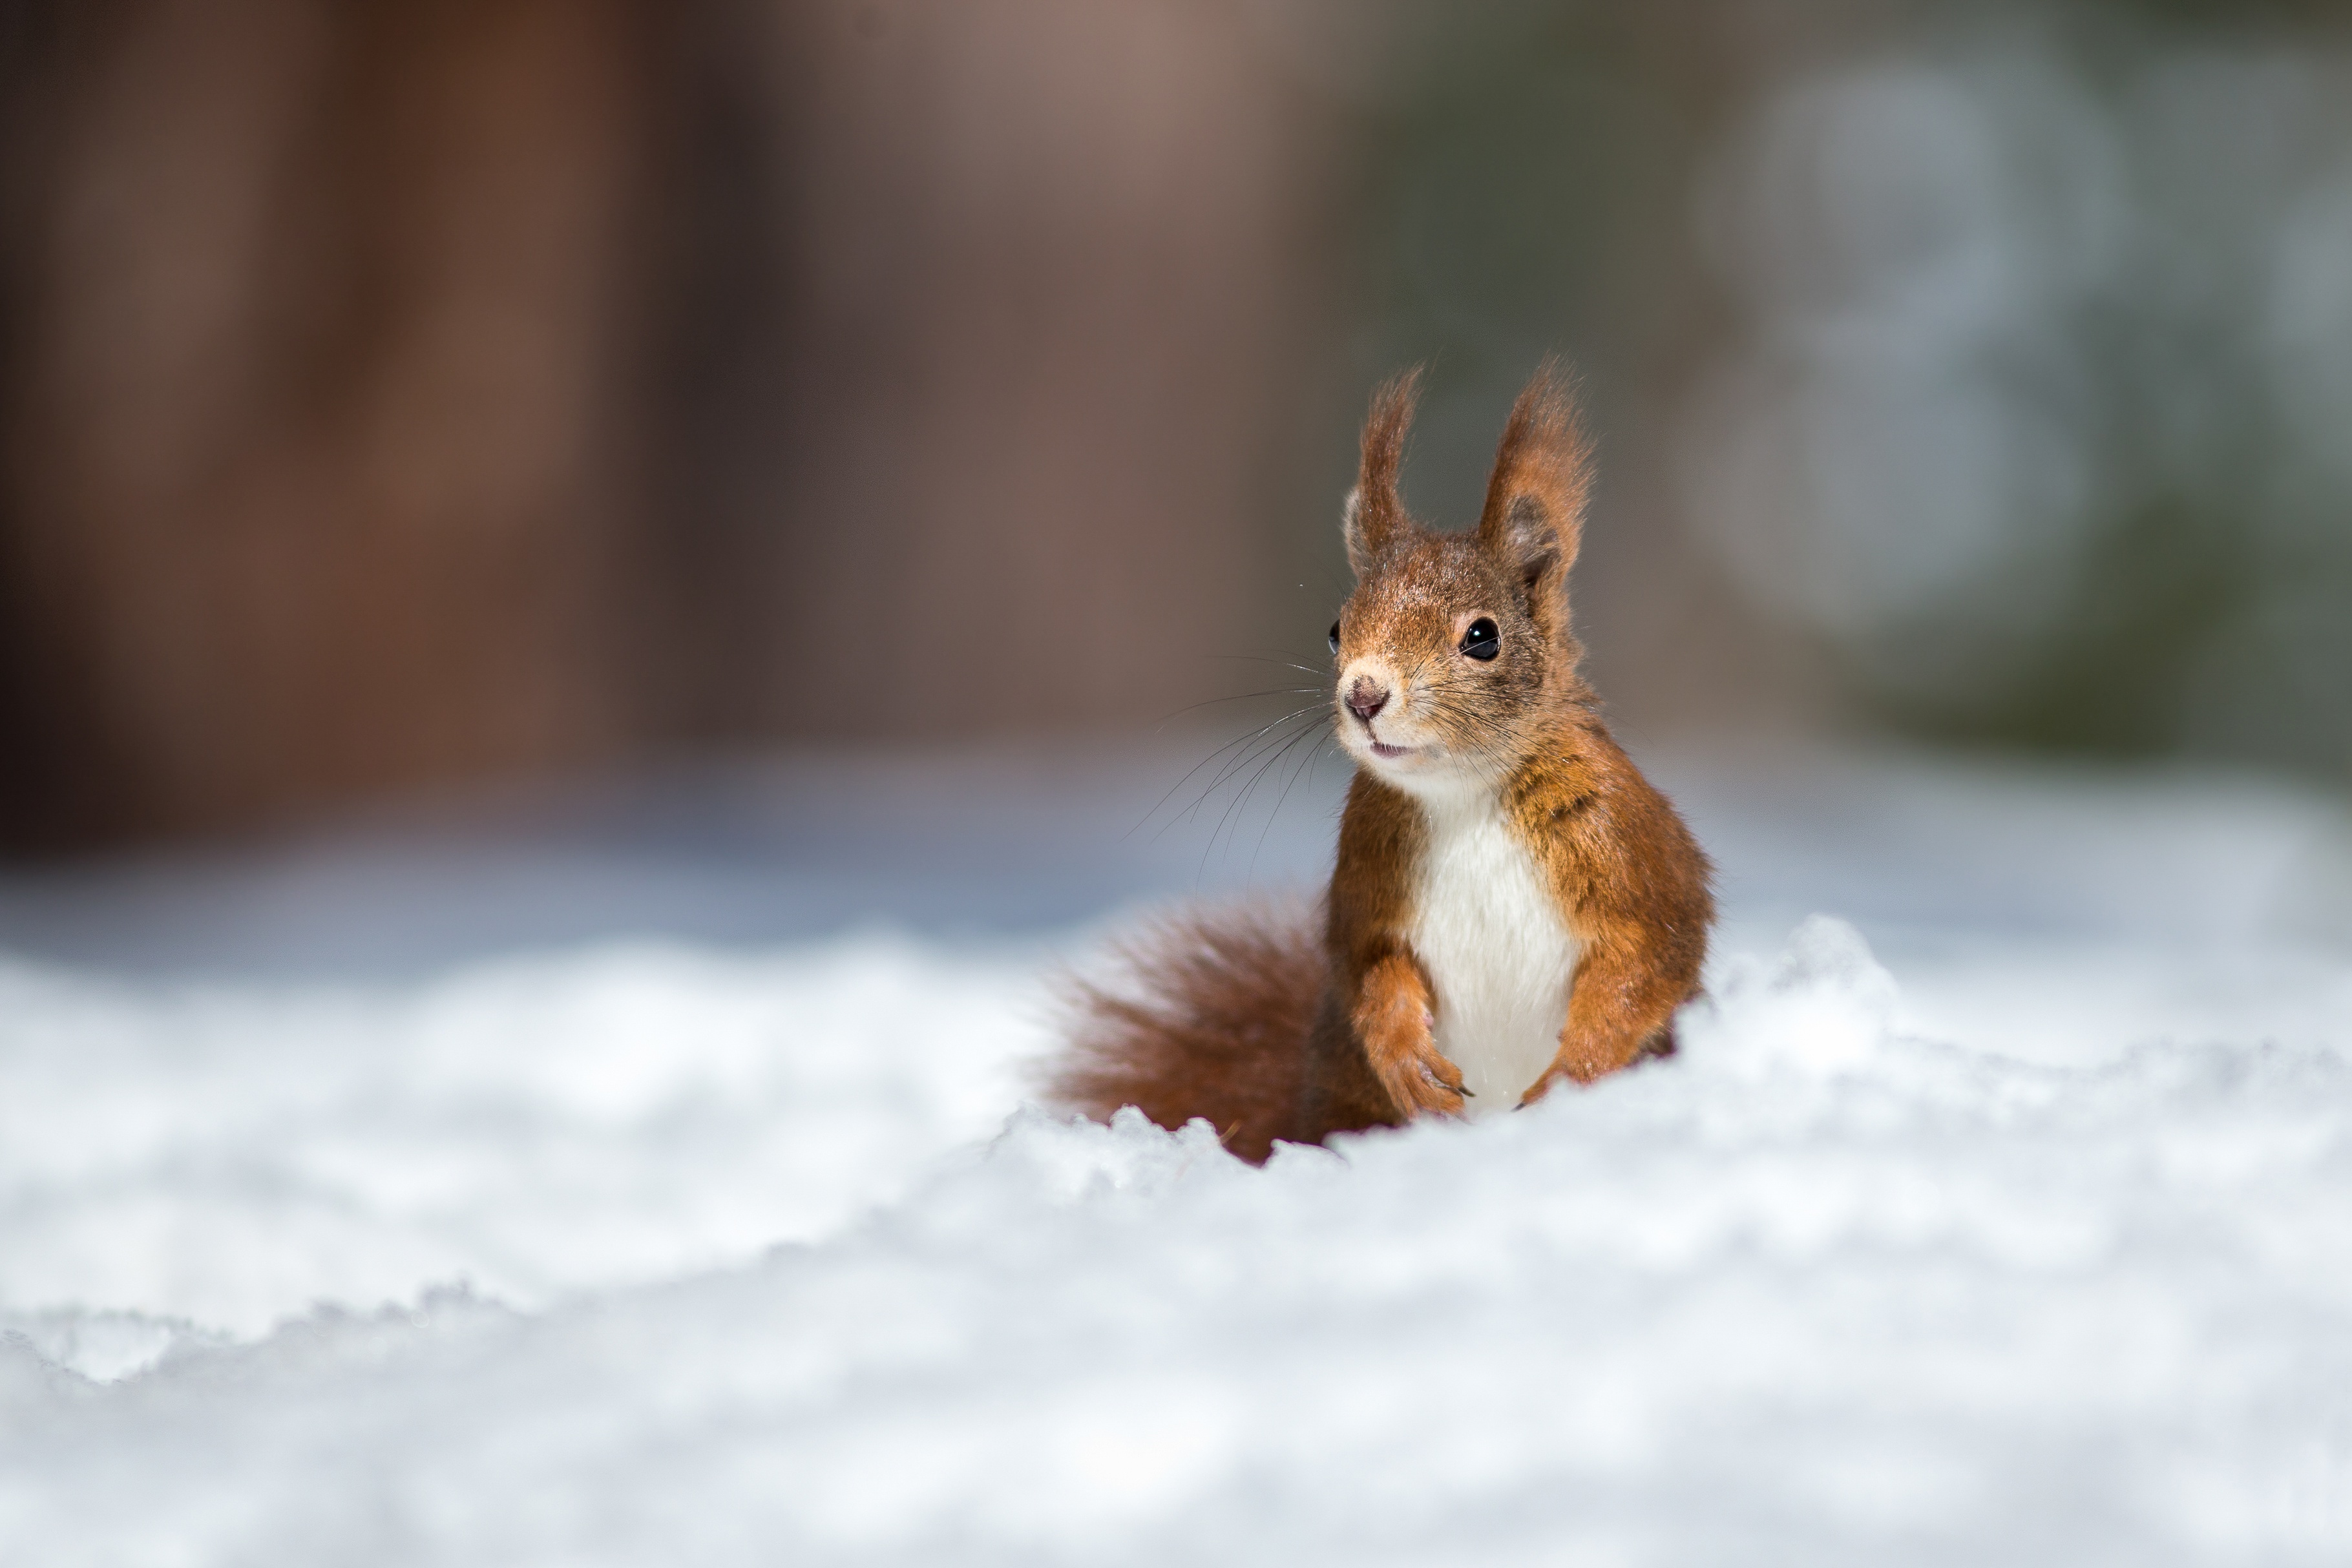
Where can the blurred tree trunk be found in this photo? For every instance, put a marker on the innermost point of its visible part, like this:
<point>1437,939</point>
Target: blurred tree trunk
<point>415,389</point>
<point>315,435</point>
<point>1052,280</point>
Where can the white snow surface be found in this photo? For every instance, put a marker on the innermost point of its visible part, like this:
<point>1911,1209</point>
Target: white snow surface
<point>2031,1244</point>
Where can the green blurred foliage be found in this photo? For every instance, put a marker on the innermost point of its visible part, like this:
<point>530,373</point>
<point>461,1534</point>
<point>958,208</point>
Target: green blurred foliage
<point>1533,188</point>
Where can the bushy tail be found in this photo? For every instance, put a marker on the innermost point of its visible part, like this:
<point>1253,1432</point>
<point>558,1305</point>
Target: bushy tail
<point>1207,1015</point>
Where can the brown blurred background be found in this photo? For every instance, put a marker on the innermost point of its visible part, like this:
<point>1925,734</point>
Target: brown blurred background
<point>399,395</point>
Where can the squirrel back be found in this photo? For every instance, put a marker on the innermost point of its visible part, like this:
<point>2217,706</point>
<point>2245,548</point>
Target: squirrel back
<point>1513,904</point>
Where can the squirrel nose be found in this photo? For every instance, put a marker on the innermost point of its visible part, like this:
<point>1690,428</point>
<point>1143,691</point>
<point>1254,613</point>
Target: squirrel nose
<point>1366,698</point>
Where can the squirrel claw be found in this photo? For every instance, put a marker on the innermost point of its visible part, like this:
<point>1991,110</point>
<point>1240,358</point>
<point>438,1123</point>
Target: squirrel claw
<point>1421,1087</point>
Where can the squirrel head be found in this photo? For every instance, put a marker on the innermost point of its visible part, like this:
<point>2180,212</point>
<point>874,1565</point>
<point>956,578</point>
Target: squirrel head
<point>1455,649</point>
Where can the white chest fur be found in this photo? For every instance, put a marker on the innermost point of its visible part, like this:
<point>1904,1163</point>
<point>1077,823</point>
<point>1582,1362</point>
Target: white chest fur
<point>1487,930</point>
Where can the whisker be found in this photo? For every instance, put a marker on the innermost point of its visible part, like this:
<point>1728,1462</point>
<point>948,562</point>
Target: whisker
<point>1249,748</point>
<point>1241,761</point>
<point>1241,698</point>
<point>1313,752</point>
<point>1268,659</point>
<point>1231,814</point>
<point>1192,813</point>
<point>1253,755</point>
<point>1205,762</point>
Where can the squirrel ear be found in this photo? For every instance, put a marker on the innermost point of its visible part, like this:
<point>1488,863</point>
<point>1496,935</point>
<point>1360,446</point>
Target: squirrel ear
<point>1374,516</point>
<point>1534,519</point>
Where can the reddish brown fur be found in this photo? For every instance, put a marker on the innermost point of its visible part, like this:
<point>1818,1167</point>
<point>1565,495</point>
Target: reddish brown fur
<point>1245,1021</point>
<point>1210,1018</point>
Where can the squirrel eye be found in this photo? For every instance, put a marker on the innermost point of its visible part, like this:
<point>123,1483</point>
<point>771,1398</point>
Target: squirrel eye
<point>1483,640</point>
<point>1335,636</point>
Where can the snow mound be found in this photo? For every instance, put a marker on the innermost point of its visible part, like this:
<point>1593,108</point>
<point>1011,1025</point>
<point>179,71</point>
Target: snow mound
<point>1815,1291</point>
<point>531,1128</point>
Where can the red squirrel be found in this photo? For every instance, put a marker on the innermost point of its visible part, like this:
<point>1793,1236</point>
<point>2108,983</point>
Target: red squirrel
<point>1513,904</point>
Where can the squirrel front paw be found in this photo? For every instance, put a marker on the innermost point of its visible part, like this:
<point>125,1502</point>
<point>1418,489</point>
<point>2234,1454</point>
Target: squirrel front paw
<point>1394,1020</point>
<point>1582,1061</point>
<point>1543,1086</point>
<point>1419,1078</point>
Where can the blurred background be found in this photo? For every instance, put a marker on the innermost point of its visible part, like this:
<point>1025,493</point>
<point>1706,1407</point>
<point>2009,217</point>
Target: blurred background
<point>401,397</point>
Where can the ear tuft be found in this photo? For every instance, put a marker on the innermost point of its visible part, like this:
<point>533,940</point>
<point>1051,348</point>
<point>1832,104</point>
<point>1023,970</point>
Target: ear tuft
<point>1374,517</point>
<point>1533,545</point>
<point>1534,518</point>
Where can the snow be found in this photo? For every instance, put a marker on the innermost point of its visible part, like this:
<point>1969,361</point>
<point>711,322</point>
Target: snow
<point>2003,1213</point>
<point>537,1127</point>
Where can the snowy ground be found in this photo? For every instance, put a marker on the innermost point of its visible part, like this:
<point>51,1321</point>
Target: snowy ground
<point>648,1182</point>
